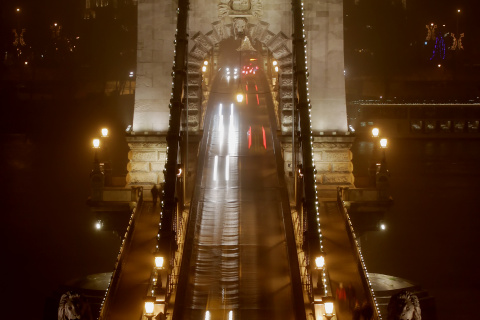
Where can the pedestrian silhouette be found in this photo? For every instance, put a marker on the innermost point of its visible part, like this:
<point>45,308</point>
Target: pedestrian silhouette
<point>351,296</point>
<point>154,194</point>
<point>367,311</point>
<point>341,296</point>
<point>357,311</point>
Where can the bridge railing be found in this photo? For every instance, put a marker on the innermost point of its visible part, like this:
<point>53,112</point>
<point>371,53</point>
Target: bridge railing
<point>358,255</point>
<point>167,247</point>
<point>112,285</point>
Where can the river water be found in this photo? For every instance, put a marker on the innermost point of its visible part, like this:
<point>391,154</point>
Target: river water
<point>49,236</point>
<point>431,236</point>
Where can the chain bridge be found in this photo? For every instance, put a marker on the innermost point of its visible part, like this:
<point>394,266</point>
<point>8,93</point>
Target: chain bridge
<point>253,220</point>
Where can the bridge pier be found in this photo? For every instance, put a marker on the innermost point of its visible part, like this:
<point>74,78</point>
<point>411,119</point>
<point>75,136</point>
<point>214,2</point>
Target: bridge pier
<point>147,157</point>
<point>333,163</point>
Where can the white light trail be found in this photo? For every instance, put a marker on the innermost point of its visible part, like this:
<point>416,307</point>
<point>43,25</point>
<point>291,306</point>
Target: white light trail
<point>215,164</point>
<point>221,129</point>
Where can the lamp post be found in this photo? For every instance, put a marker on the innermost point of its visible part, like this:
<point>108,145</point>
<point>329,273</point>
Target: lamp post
<point>383,174</point>
<point>96,143</point>
<point>458,16</point>
<point>96,176</point>
<point>383,145</point>
<point>372,169</point>
<point>328,304</point>
<point>318,271</point>
<point>150,306</point>
<point>162,275</point>
<point>107,167</point>
<point>240,93</point>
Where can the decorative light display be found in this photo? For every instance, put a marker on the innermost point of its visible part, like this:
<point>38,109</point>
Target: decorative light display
<point>439,49</point>
<point>431,31</point>
<point>457,43</point>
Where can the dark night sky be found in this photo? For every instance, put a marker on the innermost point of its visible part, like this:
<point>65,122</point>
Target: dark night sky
<point>47,226</point>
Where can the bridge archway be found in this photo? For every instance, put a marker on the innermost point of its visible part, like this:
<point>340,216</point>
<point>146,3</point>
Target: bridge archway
<point>271,46</point>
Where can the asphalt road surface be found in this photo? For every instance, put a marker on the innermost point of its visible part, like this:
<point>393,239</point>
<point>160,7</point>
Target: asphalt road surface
<point>239,267</point>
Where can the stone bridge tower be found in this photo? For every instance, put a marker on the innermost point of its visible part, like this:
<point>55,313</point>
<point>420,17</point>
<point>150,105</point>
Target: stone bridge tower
<point>265,21</point>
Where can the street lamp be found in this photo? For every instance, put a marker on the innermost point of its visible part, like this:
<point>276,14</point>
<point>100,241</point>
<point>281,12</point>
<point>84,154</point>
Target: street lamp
<point>96,143</point>
<point>239,97</point>
<point>149,306</point>
<point>328,303</point>
<point>383,145</point>
<point>104,132</point>
<point>317,273</point>
<point>320,262</point>
<point>458,16</point>
<point>372,169</point>
<point>159,261</point>
<point>383,174</point>
<point>106,158</point>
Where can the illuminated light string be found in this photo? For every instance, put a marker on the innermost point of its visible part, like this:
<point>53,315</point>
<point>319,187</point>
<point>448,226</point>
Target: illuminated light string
<point>324,280</point>
<point>119,255</point>
<point>364,267</point>
<point>439,49</point>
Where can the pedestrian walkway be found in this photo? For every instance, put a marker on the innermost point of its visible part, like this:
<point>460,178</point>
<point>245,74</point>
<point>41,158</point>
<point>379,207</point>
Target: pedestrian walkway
<point>127,299</point>
<point>340,259</point>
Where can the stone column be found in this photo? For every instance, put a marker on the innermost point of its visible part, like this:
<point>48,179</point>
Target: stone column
<point>326,81</point>
<point>155,54</point>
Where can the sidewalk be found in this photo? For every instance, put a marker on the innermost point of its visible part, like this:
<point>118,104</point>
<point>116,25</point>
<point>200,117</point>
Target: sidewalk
<point>340,258</point>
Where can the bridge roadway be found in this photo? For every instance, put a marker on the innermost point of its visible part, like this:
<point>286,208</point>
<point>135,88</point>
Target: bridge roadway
<point>239,260</point>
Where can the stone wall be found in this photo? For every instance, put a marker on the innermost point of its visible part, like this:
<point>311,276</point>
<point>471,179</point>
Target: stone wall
<point>333,162</point>
<point>147,157</point>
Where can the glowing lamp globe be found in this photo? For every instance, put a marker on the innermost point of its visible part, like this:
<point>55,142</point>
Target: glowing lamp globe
<point>239,98</point>
<point>328,303</point>
<point>319,262</point>
<point>383,143</point>
<point>159,262</point>
<point>149,305</point>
